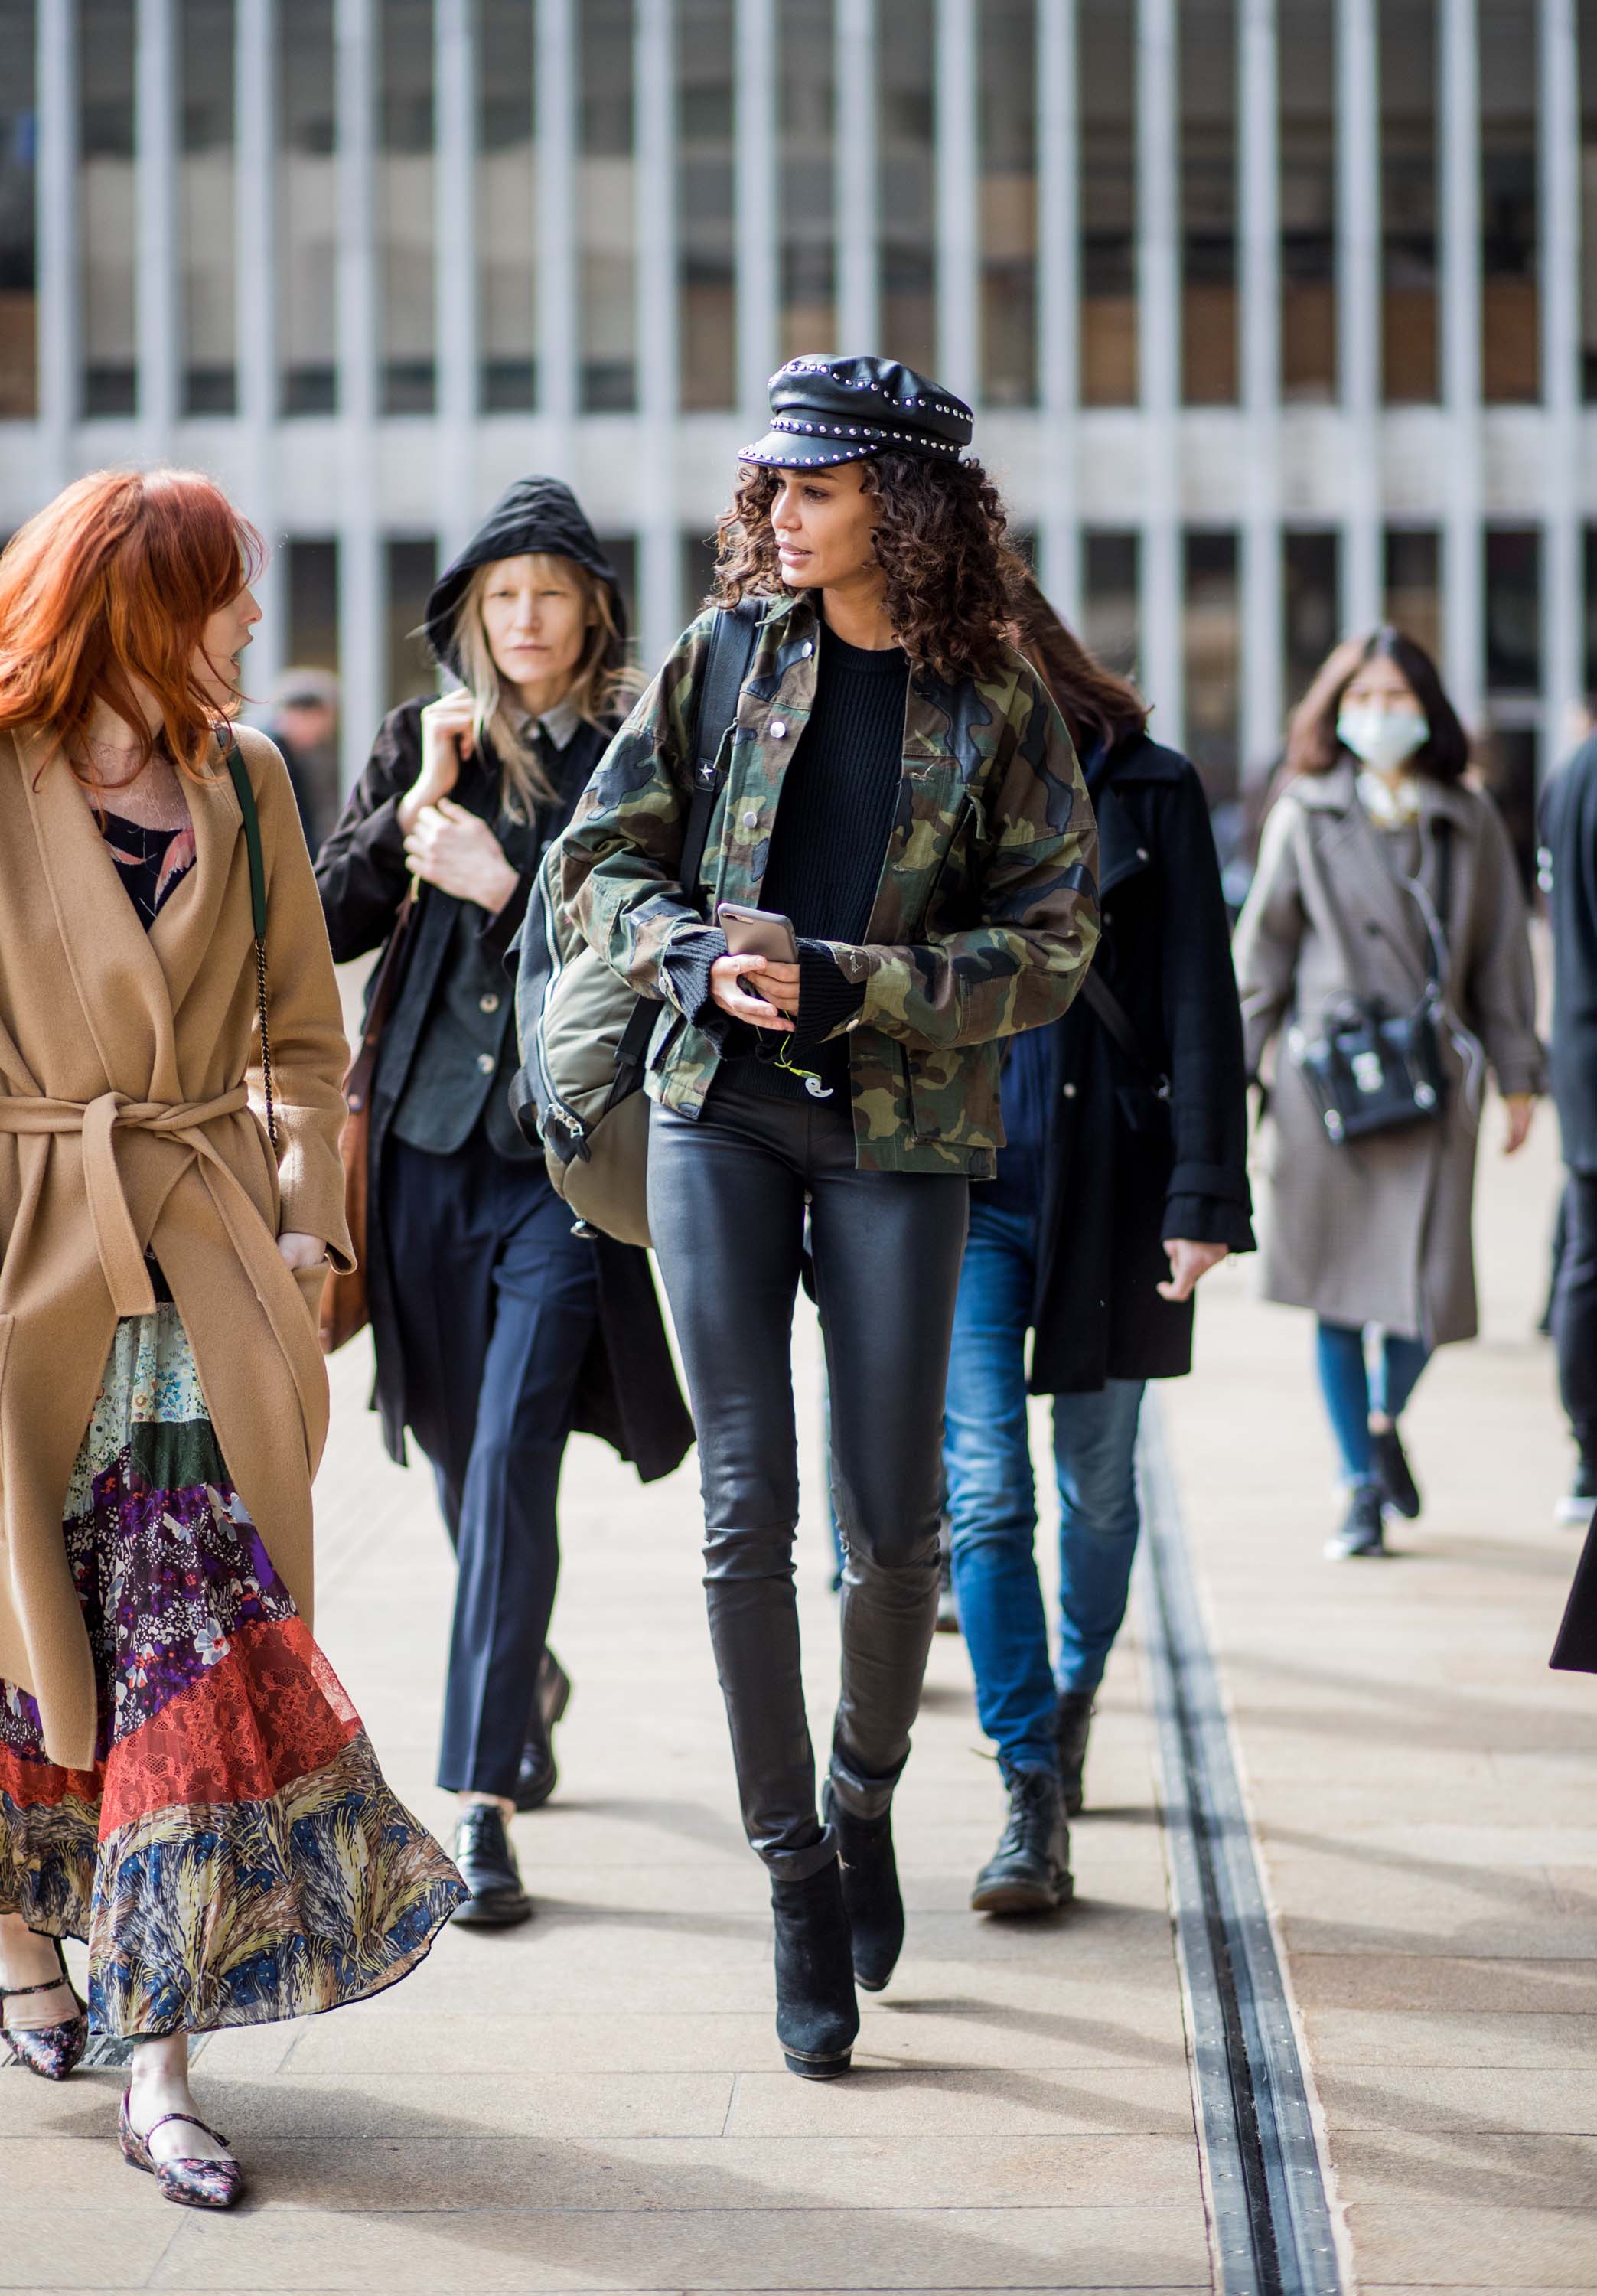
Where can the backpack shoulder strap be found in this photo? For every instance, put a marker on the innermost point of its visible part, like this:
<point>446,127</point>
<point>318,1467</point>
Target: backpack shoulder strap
<point>732,645</point>
<point>1102,1000</point>
<point>726,664</point>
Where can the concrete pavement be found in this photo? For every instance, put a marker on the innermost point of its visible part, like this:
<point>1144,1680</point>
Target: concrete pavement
<point>596,2101</point>
<point>1424,1791</point>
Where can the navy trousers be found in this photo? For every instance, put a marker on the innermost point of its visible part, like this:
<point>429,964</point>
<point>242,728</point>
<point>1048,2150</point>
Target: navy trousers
<point>497,1301</point>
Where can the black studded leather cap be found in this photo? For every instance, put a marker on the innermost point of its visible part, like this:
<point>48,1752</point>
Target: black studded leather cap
<point>843,410</point>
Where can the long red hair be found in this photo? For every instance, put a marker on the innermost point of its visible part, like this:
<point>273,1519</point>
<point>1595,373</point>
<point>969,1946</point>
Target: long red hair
<point>107,591</point>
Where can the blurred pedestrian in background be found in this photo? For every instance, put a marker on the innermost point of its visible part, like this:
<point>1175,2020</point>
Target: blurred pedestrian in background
<point>1580,723</point>
<point>1123,1182</point>
<point>1569,838</point>
<point>902,793</point>
<point>303,720</point>
<point>182,1783</point>
<point>497,1329</point>
<point>1383,954</point>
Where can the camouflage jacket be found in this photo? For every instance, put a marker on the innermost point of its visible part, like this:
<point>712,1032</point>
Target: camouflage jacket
<point>985,914</point>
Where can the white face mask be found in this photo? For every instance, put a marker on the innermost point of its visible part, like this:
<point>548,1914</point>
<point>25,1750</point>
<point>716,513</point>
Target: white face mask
<point>1383,739</point>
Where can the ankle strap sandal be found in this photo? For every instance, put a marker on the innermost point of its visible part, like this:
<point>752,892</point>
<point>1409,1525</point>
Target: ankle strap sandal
<point>50,2051</point>
<point>190,2181</point>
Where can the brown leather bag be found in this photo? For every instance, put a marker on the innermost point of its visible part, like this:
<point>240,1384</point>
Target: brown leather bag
<point>345,1310</point>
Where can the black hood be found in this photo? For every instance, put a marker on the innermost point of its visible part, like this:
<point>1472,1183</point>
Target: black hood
<point>533,515</point>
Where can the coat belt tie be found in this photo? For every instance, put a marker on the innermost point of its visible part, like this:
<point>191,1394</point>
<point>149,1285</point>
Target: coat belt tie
<point>121,1256</point>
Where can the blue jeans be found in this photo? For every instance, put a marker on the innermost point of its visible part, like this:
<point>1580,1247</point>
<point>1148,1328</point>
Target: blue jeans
<point>1351,1395</point>
<point>991,1501</point>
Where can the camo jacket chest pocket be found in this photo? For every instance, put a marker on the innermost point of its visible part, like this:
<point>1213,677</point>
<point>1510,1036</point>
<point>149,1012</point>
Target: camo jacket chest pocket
<point>932,876</point>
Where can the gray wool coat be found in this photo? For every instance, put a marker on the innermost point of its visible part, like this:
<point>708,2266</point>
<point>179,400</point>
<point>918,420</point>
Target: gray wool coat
<point>1378,1231</point>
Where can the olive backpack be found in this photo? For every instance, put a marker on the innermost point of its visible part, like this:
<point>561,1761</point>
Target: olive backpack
<point>583,1033</point>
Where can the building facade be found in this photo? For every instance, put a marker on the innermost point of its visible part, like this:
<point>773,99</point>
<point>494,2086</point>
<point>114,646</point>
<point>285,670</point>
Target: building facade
<point>1279,314</point>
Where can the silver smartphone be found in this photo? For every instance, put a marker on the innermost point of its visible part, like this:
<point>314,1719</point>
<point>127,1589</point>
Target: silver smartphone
<point>758,932</point>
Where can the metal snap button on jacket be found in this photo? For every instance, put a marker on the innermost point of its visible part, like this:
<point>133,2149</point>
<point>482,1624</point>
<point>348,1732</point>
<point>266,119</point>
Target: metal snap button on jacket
<point>751,818</point>
<point>489,1004</point>
<point>485,1061</point>
<point>778,729</point>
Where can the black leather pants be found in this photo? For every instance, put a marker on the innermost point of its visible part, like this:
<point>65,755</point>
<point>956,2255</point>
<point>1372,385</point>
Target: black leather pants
<point>727,1204</point>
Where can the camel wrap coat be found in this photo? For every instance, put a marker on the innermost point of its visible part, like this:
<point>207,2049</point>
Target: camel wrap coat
<point>132,1117</point>
<point>1379,1230</point>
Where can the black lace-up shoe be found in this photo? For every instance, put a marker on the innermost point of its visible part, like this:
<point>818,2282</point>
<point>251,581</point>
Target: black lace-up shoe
<point>539,1776</point>
<point>1029,1872</point>
<point>1361,1533</point>
<point>487,1866</point>
<point>817,2016</point>
<point>1072,1720</point>
<point>1394,1474</point>
<point>871,1891</point>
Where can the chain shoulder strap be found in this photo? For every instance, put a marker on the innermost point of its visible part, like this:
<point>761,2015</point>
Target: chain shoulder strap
<point>243,789</point>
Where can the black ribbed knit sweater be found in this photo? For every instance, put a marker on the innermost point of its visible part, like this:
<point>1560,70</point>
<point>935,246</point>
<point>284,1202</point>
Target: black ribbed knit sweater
<point>827,847</point>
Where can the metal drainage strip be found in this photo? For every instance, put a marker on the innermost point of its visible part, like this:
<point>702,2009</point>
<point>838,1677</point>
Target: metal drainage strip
<point>1272,2227</point>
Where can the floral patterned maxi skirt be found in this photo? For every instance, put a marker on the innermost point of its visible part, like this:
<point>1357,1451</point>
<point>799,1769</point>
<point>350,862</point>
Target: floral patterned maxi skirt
<point>235,1855</point>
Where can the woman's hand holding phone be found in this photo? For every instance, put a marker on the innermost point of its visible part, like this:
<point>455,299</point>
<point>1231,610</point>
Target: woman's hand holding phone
<point>778,983</point>
<point>759,942</point>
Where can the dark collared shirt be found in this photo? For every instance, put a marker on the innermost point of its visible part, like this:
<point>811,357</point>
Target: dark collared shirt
<point>466,1056</point>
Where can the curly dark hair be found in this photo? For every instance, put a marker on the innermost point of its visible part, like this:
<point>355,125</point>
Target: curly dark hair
<point>955,581</point>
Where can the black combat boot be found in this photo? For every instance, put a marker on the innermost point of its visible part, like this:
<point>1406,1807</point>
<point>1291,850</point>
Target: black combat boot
<point>1072,1720</point>
<point>1361,1533</point>
<point>871,1891</point>
<point>1029,1872</point>
<point>817,2016</point>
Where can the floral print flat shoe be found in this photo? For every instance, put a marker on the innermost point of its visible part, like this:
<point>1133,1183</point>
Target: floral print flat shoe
<point>190,2183</point>
<point>51,2051</point>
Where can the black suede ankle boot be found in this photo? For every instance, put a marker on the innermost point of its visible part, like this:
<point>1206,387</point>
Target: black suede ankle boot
<point>817,2016</point>
<point>870,1890</point>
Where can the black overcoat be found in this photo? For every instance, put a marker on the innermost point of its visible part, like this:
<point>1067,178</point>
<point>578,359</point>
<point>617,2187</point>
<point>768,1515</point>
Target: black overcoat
<point>627,1390</point>
<point>1127,1169</point>
<point>1568,833</point>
